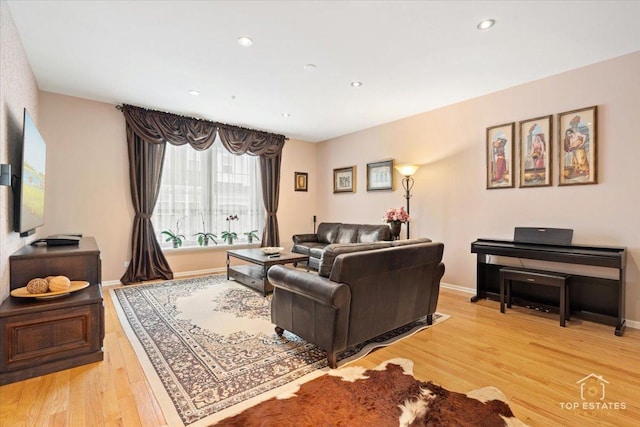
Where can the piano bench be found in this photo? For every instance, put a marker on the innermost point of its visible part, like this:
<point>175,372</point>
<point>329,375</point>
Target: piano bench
<point>536,277</point>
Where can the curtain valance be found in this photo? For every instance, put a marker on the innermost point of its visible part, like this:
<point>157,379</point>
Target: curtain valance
<point>156,127</point>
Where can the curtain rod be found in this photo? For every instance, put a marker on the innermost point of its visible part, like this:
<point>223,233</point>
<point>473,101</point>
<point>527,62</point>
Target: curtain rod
<point>218,124</point>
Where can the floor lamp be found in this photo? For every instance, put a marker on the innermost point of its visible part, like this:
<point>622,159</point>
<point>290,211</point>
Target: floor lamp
<point>407,170</point>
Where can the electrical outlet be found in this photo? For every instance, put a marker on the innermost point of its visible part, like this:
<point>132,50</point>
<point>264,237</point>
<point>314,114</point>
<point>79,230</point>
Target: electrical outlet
<point>126,264</point>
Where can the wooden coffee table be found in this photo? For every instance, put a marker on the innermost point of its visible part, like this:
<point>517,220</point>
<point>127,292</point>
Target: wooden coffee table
<point>254,275</point>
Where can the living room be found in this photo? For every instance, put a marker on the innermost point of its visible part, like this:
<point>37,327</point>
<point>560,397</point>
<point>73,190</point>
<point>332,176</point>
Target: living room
<point>88,176</point>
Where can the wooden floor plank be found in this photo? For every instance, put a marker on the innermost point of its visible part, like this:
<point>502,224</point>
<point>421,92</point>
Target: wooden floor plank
<point>524,353</point>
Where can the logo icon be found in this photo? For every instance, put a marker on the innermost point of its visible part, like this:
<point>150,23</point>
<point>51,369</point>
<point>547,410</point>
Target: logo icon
<point>592,387</point>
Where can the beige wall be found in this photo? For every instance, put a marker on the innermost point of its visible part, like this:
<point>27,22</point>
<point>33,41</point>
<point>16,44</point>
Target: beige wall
<point>87,175</point>
<point>18,89</point>
<point>88,184</point>
<point>450,202</point>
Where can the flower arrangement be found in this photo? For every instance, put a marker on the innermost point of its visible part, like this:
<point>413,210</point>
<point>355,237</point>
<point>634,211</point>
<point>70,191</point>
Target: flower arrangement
<point>396,215</point>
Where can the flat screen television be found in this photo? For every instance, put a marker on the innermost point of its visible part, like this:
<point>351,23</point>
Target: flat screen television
<point>29,212</point>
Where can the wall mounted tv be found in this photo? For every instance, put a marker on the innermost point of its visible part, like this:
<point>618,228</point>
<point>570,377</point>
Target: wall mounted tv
<point>29,211</point>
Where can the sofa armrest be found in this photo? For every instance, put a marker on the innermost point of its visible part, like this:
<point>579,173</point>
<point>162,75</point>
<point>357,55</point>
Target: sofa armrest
<point>312,286</point>
<point>300,238</point>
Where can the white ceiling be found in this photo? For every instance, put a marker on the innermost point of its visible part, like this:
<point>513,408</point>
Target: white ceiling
<point>412,56</point>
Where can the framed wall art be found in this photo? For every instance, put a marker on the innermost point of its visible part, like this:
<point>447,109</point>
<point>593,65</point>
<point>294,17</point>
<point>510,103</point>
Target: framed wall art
<point>578,146</point>
<point>344,180</point>
<point>535,152</point>
<point>500,156</point>
<point>300,181</point>
<point>380,175</point>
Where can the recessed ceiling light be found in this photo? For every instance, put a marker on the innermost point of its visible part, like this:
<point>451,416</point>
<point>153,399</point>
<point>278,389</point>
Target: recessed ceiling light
<point>310,67</point>
<point>356,84</point>
<point>486,24</point>
<point>245,41</point>
<point>285,114</point>
<point>194,92</point>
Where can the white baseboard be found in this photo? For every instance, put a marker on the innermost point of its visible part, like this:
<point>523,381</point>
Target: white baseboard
<point>457,288</point>
<point>204,272</point>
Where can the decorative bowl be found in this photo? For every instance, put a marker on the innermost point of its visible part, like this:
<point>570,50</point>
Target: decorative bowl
<point>272,250</point>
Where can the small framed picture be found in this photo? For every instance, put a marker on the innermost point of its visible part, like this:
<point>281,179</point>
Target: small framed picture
<point>300,181</point>
<point>535,152</point>
<point>500,156</point>
<point>380,175</point>
<point>344,180</point>
<point>578,146</point>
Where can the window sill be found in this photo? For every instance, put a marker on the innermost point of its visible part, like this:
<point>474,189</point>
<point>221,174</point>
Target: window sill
<point>210,248</point>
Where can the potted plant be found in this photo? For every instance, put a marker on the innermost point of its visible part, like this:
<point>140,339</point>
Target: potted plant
<point>251,235</point>
<point>228,235</point>
<point>174,238</point>
<point>204,237</point>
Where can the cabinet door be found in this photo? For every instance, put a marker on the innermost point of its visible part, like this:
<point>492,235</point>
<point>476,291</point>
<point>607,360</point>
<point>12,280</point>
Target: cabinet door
<point>38,338</point>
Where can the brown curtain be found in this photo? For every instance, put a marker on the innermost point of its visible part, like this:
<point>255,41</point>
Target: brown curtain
<point>270,173</point>
<point>145,173</point>
<point>147,133</point>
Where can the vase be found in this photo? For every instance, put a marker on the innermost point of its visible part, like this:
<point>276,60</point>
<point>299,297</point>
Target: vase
<point>230,240</point>
<point>395,227</point>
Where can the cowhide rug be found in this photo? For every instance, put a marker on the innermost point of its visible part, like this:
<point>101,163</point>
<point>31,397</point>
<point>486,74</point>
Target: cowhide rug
<point>388,395</point>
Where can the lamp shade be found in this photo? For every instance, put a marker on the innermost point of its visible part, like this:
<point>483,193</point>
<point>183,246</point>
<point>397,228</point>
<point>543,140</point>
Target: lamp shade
<point>407,169</point>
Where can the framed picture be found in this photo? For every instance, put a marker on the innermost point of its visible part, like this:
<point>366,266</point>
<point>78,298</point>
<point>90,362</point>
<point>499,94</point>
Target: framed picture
<point>535,152</point>
<point>300,181</point>
<point>500,156</point>
<point>380,175</point>
<point>578,146</point>
<point>344,180</point>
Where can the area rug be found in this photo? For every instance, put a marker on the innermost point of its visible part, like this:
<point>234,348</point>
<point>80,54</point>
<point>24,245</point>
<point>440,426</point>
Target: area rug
<point>209,349</point>
<point>388,395</point>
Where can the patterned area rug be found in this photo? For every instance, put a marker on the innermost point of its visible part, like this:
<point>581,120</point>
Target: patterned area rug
<point>209,349</point>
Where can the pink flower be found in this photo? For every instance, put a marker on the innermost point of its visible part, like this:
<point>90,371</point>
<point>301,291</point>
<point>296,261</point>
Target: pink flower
<point>396,214</point>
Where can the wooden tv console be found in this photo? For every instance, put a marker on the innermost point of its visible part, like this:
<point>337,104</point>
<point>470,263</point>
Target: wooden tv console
<point>40,336</point>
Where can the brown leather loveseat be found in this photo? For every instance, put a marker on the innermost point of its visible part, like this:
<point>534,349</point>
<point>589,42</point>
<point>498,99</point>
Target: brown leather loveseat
<point>313,244</point>
<point>367,293</point>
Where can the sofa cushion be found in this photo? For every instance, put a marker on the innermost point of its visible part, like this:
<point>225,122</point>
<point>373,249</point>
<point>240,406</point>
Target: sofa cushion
<point>316,252</point>
<point>332,251</point>
<point>327,232</point>
<point>347,233</point>
<point>305,248</point>
<point>373,233</point>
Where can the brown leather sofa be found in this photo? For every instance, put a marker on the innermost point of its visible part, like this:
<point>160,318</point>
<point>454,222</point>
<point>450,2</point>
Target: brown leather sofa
<point>335,232</point>
<point>368,293</point>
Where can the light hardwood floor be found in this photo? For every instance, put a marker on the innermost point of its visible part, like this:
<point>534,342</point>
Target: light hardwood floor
<point>526,354</point>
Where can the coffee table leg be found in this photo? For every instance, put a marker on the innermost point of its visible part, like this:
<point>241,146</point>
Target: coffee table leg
<point>227,266</point>
<point>265,280</point>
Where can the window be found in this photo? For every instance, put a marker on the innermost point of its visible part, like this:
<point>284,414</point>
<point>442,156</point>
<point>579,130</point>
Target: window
<point>200,189</point>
